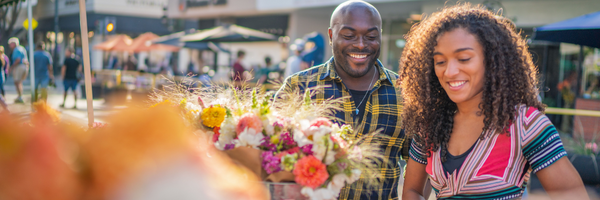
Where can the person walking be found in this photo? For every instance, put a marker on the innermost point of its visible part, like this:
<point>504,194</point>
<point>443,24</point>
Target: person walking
<point>4,67</point>
<point>294,61</point>
<point>19,67</point>
<point>69,71</point>
<point>43,71</point>
<point>238,68</point>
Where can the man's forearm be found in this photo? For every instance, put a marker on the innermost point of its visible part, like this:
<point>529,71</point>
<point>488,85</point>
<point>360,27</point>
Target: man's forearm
<point>50,71</point>
<point>15,63</point>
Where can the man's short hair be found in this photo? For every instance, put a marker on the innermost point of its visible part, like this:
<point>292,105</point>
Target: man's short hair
<point>14,40</point>
<point>267,59</point>
<point>241,53</point>
<point>40,45</point>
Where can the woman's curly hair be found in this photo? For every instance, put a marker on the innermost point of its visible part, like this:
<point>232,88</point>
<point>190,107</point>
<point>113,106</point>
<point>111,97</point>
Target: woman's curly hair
<point>510,75</point>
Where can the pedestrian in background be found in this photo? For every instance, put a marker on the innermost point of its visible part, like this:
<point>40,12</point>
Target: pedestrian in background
<point>69,71</point>
<point>43,71</point>
<point>19,67</point>
<point>293,62</point>
<point>4,66</point>
<point>238,68</point>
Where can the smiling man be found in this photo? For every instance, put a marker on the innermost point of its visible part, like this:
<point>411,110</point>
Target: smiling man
<point>372,102</point>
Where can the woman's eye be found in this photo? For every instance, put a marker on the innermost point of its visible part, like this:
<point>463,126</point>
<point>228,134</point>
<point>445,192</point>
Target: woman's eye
<point>464,60</point>
<point>439,62</point>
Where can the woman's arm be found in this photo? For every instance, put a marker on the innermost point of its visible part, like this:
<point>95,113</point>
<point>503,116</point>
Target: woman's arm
<point>561,181</point>
<point>414,181</point>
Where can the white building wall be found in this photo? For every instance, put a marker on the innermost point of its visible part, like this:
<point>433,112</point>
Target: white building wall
<point>232,8</point>
<point>532,13</point>
<point>138,8</point>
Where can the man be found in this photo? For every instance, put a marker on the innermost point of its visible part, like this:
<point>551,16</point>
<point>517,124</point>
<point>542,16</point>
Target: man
<point>238,68</point>
<point>293,62</point>
<point>19,67</point>
<point>69,72</point>
<point>355,72</point>
<point>43,71</point>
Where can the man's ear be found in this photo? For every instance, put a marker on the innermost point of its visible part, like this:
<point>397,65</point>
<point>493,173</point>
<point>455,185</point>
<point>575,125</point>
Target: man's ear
<point>329,32</point>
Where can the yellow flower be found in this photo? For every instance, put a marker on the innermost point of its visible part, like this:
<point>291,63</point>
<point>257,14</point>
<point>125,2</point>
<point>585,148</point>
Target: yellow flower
<point>213,116</point>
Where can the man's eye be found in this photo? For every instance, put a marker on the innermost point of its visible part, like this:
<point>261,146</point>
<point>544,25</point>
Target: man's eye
<point>348,36</point>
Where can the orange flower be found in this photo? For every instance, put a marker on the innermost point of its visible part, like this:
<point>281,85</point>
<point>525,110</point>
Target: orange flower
<point>249,120</point>
<point>310,172</point>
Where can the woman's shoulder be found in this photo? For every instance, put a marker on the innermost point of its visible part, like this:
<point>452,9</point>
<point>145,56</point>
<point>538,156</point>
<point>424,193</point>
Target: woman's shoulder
<point>527,112</point>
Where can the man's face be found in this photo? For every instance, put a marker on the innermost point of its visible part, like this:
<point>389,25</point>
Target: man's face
<point>355,42</point>
<point>12,45</point>
<point>67,53</point>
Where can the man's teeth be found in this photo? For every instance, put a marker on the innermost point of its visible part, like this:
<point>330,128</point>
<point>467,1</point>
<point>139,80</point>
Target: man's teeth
<point>457,83</point>
<point>358,56</point>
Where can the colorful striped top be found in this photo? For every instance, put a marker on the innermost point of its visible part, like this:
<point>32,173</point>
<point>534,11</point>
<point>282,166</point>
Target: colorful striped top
<point>499,165</point>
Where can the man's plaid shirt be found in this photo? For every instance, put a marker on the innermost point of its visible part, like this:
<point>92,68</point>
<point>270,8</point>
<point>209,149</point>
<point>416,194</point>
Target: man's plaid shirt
<point>383,111</point>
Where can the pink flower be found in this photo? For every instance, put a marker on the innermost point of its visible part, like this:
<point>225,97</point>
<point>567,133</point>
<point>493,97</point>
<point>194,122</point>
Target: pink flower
<point>249,120</point>
<point>592,146</point>
<point>321,121</point>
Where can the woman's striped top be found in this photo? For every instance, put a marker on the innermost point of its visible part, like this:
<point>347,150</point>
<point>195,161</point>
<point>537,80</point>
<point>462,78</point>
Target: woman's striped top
<point>499,165</point>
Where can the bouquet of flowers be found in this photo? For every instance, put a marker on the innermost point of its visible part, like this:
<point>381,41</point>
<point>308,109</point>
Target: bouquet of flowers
<point>292,134</point>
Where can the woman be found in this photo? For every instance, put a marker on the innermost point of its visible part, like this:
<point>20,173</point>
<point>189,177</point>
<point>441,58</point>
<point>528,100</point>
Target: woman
<point>471,105</point>
<point>4,64</point>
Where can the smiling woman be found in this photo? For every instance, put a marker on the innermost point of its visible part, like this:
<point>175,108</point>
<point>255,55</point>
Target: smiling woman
<point>471,106</point>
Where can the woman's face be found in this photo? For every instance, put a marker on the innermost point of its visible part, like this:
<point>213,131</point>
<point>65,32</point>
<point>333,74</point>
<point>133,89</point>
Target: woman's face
<point>459,65</point>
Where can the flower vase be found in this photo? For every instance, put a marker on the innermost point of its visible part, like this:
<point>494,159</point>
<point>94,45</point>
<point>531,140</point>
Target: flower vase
<point>285,191</point>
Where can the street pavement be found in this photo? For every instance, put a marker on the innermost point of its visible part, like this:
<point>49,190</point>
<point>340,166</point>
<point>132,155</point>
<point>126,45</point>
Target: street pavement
<point>76,114</point>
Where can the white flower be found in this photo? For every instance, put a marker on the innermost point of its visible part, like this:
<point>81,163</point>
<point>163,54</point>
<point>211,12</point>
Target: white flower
<point>191,106</point>
<point>320,193</point>
<point>355,175</point>
<point>249,137</point>
<point>300,138</point>
<point>227,131</point>
<point>323,145</point>
<point>304,125</point>
<point>330,157</point>
<point>268,126</point>
<point>338,182</point>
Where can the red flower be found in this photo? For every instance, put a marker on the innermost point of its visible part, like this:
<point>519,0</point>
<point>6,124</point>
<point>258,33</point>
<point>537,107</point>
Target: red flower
<point>310,172</point>
<point>321,121</point>
<point>215,137</point>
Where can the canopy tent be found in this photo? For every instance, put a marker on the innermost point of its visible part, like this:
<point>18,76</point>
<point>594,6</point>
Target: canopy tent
<point>582,30</point>
<point>144,43</point>
<point>229,33</point>
<point>174,40</point>
<point>116,43</point>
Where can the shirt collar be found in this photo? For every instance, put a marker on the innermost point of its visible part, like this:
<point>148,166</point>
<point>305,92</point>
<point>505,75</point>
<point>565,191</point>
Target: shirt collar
<point>331,74</point>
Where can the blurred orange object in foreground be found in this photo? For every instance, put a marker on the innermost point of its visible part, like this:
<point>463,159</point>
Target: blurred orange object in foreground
<point>31,166</point>
<point>139,154</point>
<point>151,154</point>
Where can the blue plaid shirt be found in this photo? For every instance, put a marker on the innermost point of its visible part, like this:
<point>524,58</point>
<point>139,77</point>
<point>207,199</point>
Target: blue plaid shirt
<point>382,111</point>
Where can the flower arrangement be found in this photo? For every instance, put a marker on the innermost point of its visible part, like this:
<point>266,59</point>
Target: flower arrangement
<point>292,134</point>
